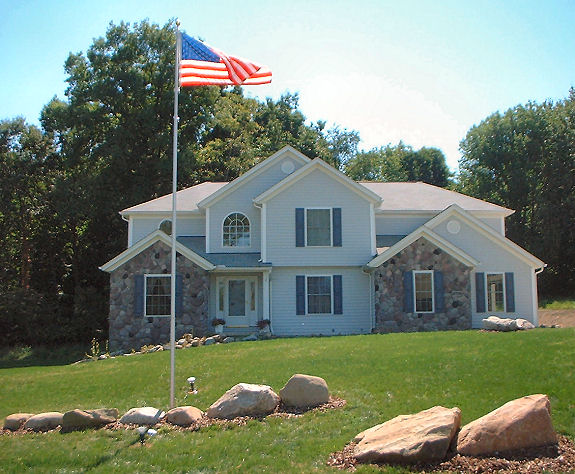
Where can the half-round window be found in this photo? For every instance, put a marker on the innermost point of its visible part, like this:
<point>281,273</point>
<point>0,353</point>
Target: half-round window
<point>236,230</point>
<point>166,226</point>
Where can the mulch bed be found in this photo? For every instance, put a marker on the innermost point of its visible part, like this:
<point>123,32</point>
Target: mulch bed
<point>204,422</point>
<point>554,458</point>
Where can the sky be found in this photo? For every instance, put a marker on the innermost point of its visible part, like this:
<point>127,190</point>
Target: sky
<point>423,72</point>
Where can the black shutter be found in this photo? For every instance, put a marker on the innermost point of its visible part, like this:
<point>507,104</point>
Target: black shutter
<point>299,227</point>
<point>480,292</point>
<point>439,292</point>
<point>179,295</point>
<point>336,226</point>
<point>337,295</point>
<point>139,295</point>
<point>509,293</point>
<point>300,294</point>
<point>408,292</point>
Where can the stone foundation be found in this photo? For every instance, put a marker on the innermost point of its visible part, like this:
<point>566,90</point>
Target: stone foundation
<point>389,291</point>
<point>128,331</point>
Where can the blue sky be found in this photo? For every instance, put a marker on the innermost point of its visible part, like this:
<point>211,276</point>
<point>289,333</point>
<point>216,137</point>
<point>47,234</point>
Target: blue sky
<point>420,71</point>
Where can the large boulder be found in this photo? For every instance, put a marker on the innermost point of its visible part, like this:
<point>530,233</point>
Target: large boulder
<point>142,416</point>
<point>406,439</point>
<point>184,416</point>
<point>523,324</point>
<point>80,419</point>
<point>521,423</point>
<point>493,323</point>
<point>244,399</point>
<point>304,391</point>
<point>16,420</point>
<point>44,421</point>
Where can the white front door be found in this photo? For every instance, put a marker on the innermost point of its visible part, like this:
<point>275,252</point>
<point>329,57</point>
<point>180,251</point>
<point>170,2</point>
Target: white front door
<point>237,301</point>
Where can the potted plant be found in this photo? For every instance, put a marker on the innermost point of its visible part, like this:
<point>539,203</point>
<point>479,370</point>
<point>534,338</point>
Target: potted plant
<point>264,326</point>
<point>218,324</point>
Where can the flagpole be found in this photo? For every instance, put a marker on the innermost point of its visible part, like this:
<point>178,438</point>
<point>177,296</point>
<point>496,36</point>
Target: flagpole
<point>174,217</point>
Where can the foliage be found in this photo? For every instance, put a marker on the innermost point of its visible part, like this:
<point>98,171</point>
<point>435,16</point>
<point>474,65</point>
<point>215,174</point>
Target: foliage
<point>218,322</point>
<point>524,159</point>
<point>559,303</point>
<point>380,376</point>
<point>400,163</point>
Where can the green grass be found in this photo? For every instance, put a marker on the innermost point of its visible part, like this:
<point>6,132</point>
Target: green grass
<point>560,303</point>
<point>380,376</point>
<point>26,356</point>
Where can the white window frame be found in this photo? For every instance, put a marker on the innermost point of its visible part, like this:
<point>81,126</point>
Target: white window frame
<point>250,232</point>
<point>330,226</point>
<point>154,275</point>
<point>428,272</point>
<point>307,295</point>
<point>487,292</point>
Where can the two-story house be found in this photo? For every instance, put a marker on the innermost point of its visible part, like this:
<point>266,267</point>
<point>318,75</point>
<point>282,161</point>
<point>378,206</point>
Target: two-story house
<point>297,242</point>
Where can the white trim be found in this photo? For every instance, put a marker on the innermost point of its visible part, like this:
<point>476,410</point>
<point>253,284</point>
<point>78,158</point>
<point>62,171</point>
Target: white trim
<point>249,246</point>
<point>372,299</point>
<point>534,296</point>
<point>331,313</point>
<point>434,238</point>
<point>426,272</point>
<point>487,310</point>
<point>250,174</point>
<point>264,231</point>
<point>130,232</point>
<point>195,214</point>
<point>266,295</point>
<point>153,275</point>
<point>149,240</point>
<point>224,269</point>
<point>330,226</point>
<point>372,231</point>
<point>317,164</point>
<point>208,233</point>
<point>488,232</point>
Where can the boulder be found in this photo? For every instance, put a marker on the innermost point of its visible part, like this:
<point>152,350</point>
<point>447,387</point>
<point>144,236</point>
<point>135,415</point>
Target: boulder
<point>493,323</point>
<point>80,419</point>
<point>521,423</point>
<point>244,399</point>
<point>523,324</point>
<point>184,416</point>
<point>16,420</point>
<point>44,421</point>
<point>251,337</point>
<point>142,416</point>
<point>228,339</point>
<point>209,341</point>
<point>406,439</point>
<point>304,391</point>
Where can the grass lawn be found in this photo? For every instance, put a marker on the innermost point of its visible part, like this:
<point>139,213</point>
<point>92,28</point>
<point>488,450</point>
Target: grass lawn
<point>380,376</point>
<point>561,303</point>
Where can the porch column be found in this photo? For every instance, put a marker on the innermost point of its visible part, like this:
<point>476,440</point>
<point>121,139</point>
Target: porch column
<point>266,295</point>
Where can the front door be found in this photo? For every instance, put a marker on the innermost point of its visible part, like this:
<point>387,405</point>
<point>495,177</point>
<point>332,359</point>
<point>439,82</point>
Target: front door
<point>237,301</point>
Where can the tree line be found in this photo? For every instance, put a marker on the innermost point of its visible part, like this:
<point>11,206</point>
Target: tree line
<point>107,144</point>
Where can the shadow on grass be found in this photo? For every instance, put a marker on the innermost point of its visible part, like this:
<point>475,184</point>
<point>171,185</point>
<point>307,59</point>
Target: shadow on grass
<point>27,356</point>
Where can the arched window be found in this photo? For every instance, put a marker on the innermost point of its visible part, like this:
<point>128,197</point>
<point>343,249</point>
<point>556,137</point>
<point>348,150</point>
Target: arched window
<point>236,230</point>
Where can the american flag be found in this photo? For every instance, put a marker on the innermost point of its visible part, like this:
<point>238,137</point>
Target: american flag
<point>203,65</point>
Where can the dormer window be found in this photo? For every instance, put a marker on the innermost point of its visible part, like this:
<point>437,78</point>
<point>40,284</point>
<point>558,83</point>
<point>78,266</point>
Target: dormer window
<point>236,231</point>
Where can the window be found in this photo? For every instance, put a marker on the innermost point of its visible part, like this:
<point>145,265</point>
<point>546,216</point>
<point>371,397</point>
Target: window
<point>318,227</point>
<point>236,231</point>
<point>319,294</point>
<point>158,293</point>
<point>423,294</point>
<point>495,292</point>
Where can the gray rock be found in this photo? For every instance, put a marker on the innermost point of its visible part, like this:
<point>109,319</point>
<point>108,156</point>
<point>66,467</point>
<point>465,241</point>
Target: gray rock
<point>44,421</point>
<point>81,419</point>
<point>304,391</point>
<point>494,323</point>
<point>228,340</point>
<point>244,399</point>
<point>523,324</point>
<point>209,341</point>
<point>142,416</point>
<point>406,439</point>
<point>16,420</point>
<point>184,416</point>
<point>251,337</point>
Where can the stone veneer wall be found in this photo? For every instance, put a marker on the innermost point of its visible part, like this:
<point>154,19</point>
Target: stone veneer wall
<point>389,293</point>
<point>128,331</point>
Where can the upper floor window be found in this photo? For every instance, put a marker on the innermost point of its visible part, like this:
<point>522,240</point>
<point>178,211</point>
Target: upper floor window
<point>318,227</point>
<point>236,231</point>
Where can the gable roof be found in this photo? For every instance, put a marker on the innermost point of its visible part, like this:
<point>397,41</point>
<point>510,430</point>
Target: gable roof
<point>150,239</point>
<point>187,200</point>
<point>252,173</point>
<point>484,229</point>
<point>317,164</point>
<point>426,197</point>
<point>428,234</point>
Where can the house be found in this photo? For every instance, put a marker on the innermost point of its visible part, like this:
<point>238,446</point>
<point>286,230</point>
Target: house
<point>297,242</point>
